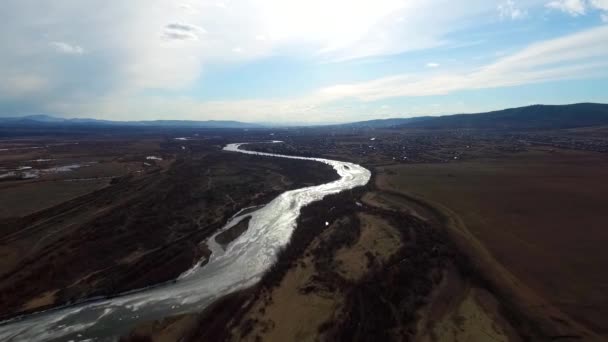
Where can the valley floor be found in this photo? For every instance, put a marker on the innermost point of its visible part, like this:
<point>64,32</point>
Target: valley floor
<point>502,247</point>
<point>382,270</point>
<point>105,229</point>
<point>457,237</point>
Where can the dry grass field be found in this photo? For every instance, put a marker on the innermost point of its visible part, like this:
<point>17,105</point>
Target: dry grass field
<point>24,199</point>
<point>541,214</point>
<point>37,174</point>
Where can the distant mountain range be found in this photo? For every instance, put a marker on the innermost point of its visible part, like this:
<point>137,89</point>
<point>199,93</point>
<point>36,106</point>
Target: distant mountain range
<point>46,120</point>
<point>530,117</point>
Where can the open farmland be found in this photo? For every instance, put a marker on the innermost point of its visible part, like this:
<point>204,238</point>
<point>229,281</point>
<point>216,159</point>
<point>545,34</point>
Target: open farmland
<point>540,213</point>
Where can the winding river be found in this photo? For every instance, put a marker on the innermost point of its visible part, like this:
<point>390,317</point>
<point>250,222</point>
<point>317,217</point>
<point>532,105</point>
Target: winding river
<point>238,266</point>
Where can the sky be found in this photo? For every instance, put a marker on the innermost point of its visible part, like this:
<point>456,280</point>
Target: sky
<point>288,61</point>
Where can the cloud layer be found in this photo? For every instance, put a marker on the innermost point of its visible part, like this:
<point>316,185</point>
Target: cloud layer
<point>580,55</point>
<point>141,57</point>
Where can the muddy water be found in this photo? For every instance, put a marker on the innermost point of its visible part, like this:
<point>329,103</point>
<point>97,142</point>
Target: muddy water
<point>240,265</point>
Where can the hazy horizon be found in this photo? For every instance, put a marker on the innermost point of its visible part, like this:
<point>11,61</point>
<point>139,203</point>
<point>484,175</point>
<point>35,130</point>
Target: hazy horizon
<point>277,123</point>
<point>288,62</point>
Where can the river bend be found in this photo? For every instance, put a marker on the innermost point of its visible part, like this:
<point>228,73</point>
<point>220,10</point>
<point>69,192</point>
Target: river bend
<point>238,266</point>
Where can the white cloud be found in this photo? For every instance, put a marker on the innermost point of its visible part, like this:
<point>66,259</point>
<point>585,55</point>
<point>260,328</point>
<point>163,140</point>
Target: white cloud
<point>161,44</point>
<point>599,4</point>
<point>572,7</point>
<point>579,55</point>
<point>432,65</point>
<point>581,7</point>
<point>136,45</point>
<point>576,56</point>
<point>67,48</point>
<point>180,31</point>
<point>510,10</point>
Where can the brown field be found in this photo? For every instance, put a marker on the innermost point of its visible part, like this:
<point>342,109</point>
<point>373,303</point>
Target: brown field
<point>100,161</point>
<point>540,213</point>
<point>24,199</point>
<point>460,311</point>
<point>302,303</point>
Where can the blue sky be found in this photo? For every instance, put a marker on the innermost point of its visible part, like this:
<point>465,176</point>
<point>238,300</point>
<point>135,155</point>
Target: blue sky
<point>298,61</point>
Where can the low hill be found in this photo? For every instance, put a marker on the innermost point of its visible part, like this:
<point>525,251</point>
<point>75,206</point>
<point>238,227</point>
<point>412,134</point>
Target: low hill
<point>530,117</point>
<point>383,123</point>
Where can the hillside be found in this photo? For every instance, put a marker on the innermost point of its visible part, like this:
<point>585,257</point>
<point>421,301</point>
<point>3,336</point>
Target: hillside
<point>530,117</point>
<point>383,123</point>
